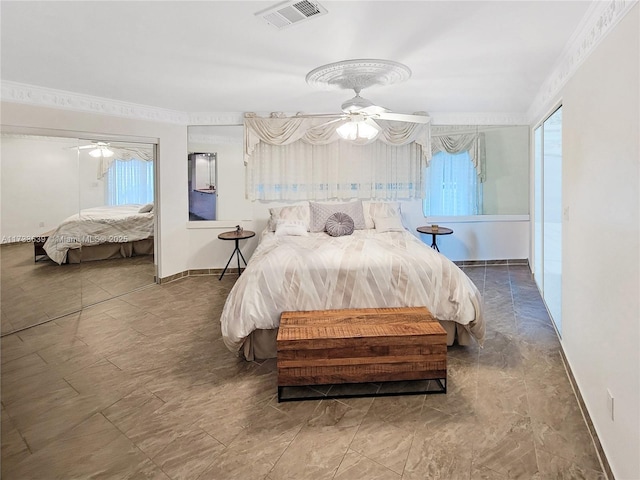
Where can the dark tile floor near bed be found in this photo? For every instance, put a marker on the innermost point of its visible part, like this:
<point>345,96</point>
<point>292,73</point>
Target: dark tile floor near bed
<point>142,387</point>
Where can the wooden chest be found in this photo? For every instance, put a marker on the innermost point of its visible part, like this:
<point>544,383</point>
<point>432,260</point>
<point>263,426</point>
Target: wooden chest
<point>360,345</point>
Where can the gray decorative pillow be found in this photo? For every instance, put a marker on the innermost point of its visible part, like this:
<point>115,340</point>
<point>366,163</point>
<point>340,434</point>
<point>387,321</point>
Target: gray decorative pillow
<point>320,212</point>
<point>339,224</point>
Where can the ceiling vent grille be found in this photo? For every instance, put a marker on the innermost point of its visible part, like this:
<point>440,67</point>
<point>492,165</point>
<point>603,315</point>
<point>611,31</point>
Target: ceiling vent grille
<point>288,13</point>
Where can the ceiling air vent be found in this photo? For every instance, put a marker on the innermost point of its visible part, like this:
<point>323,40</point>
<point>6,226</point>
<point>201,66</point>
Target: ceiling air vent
<point>288,13</point>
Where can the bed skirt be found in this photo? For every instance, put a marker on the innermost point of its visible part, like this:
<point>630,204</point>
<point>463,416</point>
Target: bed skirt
<point>106,251</point>
<point>261,344</point>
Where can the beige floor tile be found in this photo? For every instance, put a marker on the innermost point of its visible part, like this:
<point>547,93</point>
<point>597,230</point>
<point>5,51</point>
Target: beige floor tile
<point>356,466</point>
<point>94,447</point>
<point>385,442</point>
<point>188,455</point>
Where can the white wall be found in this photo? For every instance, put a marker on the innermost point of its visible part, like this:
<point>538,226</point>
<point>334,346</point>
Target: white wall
<point>92,188</point>
<point>40,178</point>
<point>601,240</point>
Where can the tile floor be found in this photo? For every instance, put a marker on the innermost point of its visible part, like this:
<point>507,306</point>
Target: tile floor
<point>141,386</point>
<point>35,291</point>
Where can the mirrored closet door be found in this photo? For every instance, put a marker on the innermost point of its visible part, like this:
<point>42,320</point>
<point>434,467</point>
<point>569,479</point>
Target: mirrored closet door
<point>77,224</point>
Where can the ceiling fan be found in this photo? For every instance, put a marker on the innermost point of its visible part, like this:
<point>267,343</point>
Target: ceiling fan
<point>361,112</point>
<point>99,149</point>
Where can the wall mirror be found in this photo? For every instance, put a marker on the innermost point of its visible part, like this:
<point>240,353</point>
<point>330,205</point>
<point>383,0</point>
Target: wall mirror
<point>202,181</point>
<point>504,189</point>
<point>78,224</point>
<point>215,173</point>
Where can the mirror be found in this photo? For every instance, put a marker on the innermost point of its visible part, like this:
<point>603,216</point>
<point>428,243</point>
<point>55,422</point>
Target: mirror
<point>39,190</point>
<point>72,231</point>
<point>215,164</point>
<point>202,180</point>
<point>505,190</point>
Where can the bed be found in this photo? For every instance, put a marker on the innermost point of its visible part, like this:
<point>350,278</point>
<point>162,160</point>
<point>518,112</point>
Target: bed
<point>102,233</point>
<point>380,266</point>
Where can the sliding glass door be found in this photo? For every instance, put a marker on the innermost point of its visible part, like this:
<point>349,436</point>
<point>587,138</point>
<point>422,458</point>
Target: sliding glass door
<point>547,228</point>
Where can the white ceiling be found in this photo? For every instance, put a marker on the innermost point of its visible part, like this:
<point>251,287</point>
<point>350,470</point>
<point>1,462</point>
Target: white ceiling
<point>214,56</point>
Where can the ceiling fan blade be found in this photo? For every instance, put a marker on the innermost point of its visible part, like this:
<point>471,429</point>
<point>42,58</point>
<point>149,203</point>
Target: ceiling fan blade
<point>403,117</point>
<point>320,115</point>
<point>327,123</point>
<point>374,110</point>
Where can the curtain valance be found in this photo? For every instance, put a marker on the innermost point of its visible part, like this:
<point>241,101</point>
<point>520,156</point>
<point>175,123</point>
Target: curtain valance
<point>128,154</point>
<point>462,142</point>
<point>280,130</point>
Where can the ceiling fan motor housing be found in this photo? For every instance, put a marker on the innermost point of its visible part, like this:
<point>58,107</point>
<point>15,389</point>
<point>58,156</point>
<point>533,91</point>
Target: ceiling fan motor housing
<point>356,103</point>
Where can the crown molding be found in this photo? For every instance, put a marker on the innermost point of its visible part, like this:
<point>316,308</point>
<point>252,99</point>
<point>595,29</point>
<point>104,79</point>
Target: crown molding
<point>49,97</point>
<point>600,19</point>
<point>216,118</point>
<point>478,118</point>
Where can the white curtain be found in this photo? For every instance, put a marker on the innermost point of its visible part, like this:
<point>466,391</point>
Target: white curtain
<point>300,171</point>
<point>294,158</point>
<point>129,181</point>
<point>472,142</point>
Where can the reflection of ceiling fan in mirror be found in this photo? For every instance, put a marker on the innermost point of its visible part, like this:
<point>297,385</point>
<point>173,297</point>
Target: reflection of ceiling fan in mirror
<point>98,149</point>
<point>356,75</point>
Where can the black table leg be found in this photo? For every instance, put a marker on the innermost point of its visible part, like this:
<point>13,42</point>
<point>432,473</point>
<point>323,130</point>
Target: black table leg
<point>433,242</point>
<point>238,255</point>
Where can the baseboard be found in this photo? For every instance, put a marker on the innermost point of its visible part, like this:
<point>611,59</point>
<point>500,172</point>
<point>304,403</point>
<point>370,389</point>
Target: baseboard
<point>606,468</point>
<point>484,263</point>
<point>198,272</point>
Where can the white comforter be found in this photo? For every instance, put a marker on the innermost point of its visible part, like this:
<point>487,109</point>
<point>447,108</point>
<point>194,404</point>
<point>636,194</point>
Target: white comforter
<point>93,226</point>
<point>363,270</point>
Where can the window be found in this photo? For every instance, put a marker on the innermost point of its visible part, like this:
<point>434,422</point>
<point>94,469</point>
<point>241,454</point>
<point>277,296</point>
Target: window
<point>451,185</point>
<point>130,181</point>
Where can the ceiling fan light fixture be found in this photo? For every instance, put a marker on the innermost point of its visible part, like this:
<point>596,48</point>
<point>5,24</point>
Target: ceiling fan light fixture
<point>101,152</point>
<point>357,129</point>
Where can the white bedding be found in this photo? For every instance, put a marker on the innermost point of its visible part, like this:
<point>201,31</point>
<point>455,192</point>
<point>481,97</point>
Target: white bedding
<point>93,226</point>
<point>365,269</point>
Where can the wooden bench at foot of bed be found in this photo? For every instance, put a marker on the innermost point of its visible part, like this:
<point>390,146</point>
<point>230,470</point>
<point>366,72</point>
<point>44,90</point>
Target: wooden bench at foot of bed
<point>360,345</point>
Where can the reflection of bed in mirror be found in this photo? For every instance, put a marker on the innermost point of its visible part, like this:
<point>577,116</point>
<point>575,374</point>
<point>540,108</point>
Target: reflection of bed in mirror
<point>100,233</point>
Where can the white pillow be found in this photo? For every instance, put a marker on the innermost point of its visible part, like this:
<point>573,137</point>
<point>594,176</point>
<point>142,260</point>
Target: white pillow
<point>295,228</point>
<point>292,213</point>
<point>379,209</point>
<point>388,224</point>
<point>146,208</point>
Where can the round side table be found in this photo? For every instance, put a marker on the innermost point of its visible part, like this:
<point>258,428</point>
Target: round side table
<point>434,232</point>
<point>237,236</point>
